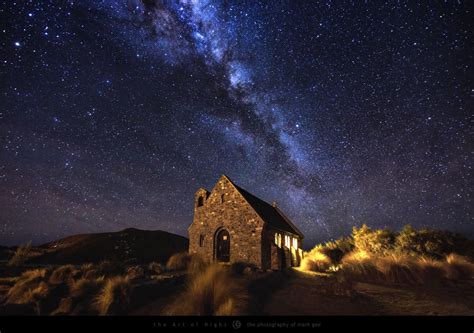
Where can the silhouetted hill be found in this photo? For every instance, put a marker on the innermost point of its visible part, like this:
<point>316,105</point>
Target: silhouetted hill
<point>127,246</point>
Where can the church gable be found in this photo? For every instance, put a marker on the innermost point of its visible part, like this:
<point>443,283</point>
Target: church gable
<point>230,224</point>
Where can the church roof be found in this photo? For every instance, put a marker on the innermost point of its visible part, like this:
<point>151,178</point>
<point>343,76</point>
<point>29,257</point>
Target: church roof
<point>269,213</point>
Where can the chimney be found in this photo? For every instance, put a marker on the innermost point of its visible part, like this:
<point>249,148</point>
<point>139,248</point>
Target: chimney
<point>274,204</point>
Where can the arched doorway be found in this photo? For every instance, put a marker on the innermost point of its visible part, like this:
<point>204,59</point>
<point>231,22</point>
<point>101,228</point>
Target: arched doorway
<point>222,244</point>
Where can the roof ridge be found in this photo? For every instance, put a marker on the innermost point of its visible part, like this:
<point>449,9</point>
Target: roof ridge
<point>244,193</point>
<point>288,220</point>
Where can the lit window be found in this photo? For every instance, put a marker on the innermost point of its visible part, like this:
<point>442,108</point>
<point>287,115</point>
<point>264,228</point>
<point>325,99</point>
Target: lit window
<point>287,241</point>
<point>295,243</point>
<point>278,239</point>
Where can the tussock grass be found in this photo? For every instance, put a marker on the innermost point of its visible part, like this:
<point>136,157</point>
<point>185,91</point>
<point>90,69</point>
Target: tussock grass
<point>29,287</point>
<point>405,269</point>
<point>110,268</point>
<point>458,267</point>
<point>155,268</point>
<point>63,274</point>
<point>86,288</point>
<point>114,298</point>
<point>213,292</point>
<point>178,261</point>
<point>135,272</point>
<point>315,261</point>
<point>21,254</point>
<point>184,261</point>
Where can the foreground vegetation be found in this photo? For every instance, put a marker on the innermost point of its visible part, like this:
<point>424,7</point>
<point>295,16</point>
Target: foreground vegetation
<point>410,256</point>
<point>429,269</point>
<point>110,288</point>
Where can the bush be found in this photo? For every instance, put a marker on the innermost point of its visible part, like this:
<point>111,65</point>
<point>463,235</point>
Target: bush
<point>214,292</point>
<point>21,254</point>
<point>114,298</point>
<point>378,242</point>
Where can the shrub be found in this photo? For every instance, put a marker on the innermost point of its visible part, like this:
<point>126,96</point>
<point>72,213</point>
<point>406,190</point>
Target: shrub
<point>21,254</point>
<point>378,242</point>
<point>114,298</point>
<point>214,292</point>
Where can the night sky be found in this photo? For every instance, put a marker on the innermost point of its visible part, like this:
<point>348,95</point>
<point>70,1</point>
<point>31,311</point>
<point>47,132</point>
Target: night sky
<point>113,113</point>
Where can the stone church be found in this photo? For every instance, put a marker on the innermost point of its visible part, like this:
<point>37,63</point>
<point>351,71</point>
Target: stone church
<point>232,225</point>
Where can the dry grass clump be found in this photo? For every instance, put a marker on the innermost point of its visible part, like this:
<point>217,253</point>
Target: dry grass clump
<point>214,292</point>
<point>135,272</point>
<point>315,261</point>
<point>405,269</point>
<point>155,268</point>
<point>114,298</point>
<point>86,288</point>
<point>29,287</point>
<point>21,254</point>
<point>63,274</point>
<point>458,267</point>
<point>110,268</point>
<point>184,261</point>
<point>178,261</point>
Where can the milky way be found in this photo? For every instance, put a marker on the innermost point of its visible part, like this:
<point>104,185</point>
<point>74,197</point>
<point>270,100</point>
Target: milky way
<point>114,112</point>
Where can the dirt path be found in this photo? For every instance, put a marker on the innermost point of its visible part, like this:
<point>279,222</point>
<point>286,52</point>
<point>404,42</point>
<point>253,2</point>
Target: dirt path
<point>313,294</point>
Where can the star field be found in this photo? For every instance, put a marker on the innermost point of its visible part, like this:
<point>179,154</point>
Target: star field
<point>114,112</point>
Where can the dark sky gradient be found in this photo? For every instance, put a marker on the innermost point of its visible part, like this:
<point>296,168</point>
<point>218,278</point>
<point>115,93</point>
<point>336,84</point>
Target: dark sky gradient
<point>114,112</point>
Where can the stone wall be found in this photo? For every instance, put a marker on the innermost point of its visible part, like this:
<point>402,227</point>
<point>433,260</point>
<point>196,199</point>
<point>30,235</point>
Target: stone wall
<point>224,207</point>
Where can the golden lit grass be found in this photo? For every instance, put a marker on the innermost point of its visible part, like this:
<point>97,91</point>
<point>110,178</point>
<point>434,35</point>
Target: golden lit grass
<point>86,288</point>
<point>212,292</point>
<point>315,261</point>
<point>29,288</point>
<point>185,261</point>
<point>63,274</point>
<point>114,298</point>
<point>405,269</point>
<point>458,267</point>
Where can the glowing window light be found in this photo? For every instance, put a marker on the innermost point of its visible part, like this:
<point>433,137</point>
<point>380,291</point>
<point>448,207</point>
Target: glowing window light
<point>295,243</point>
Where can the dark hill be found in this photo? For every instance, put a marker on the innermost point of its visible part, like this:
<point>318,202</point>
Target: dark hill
<point>127,246</point>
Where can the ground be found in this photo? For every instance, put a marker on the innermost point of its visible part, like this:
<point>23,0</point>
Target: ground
<point>295,292</point>
<point>367,299</point>
<point>301,293</point>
